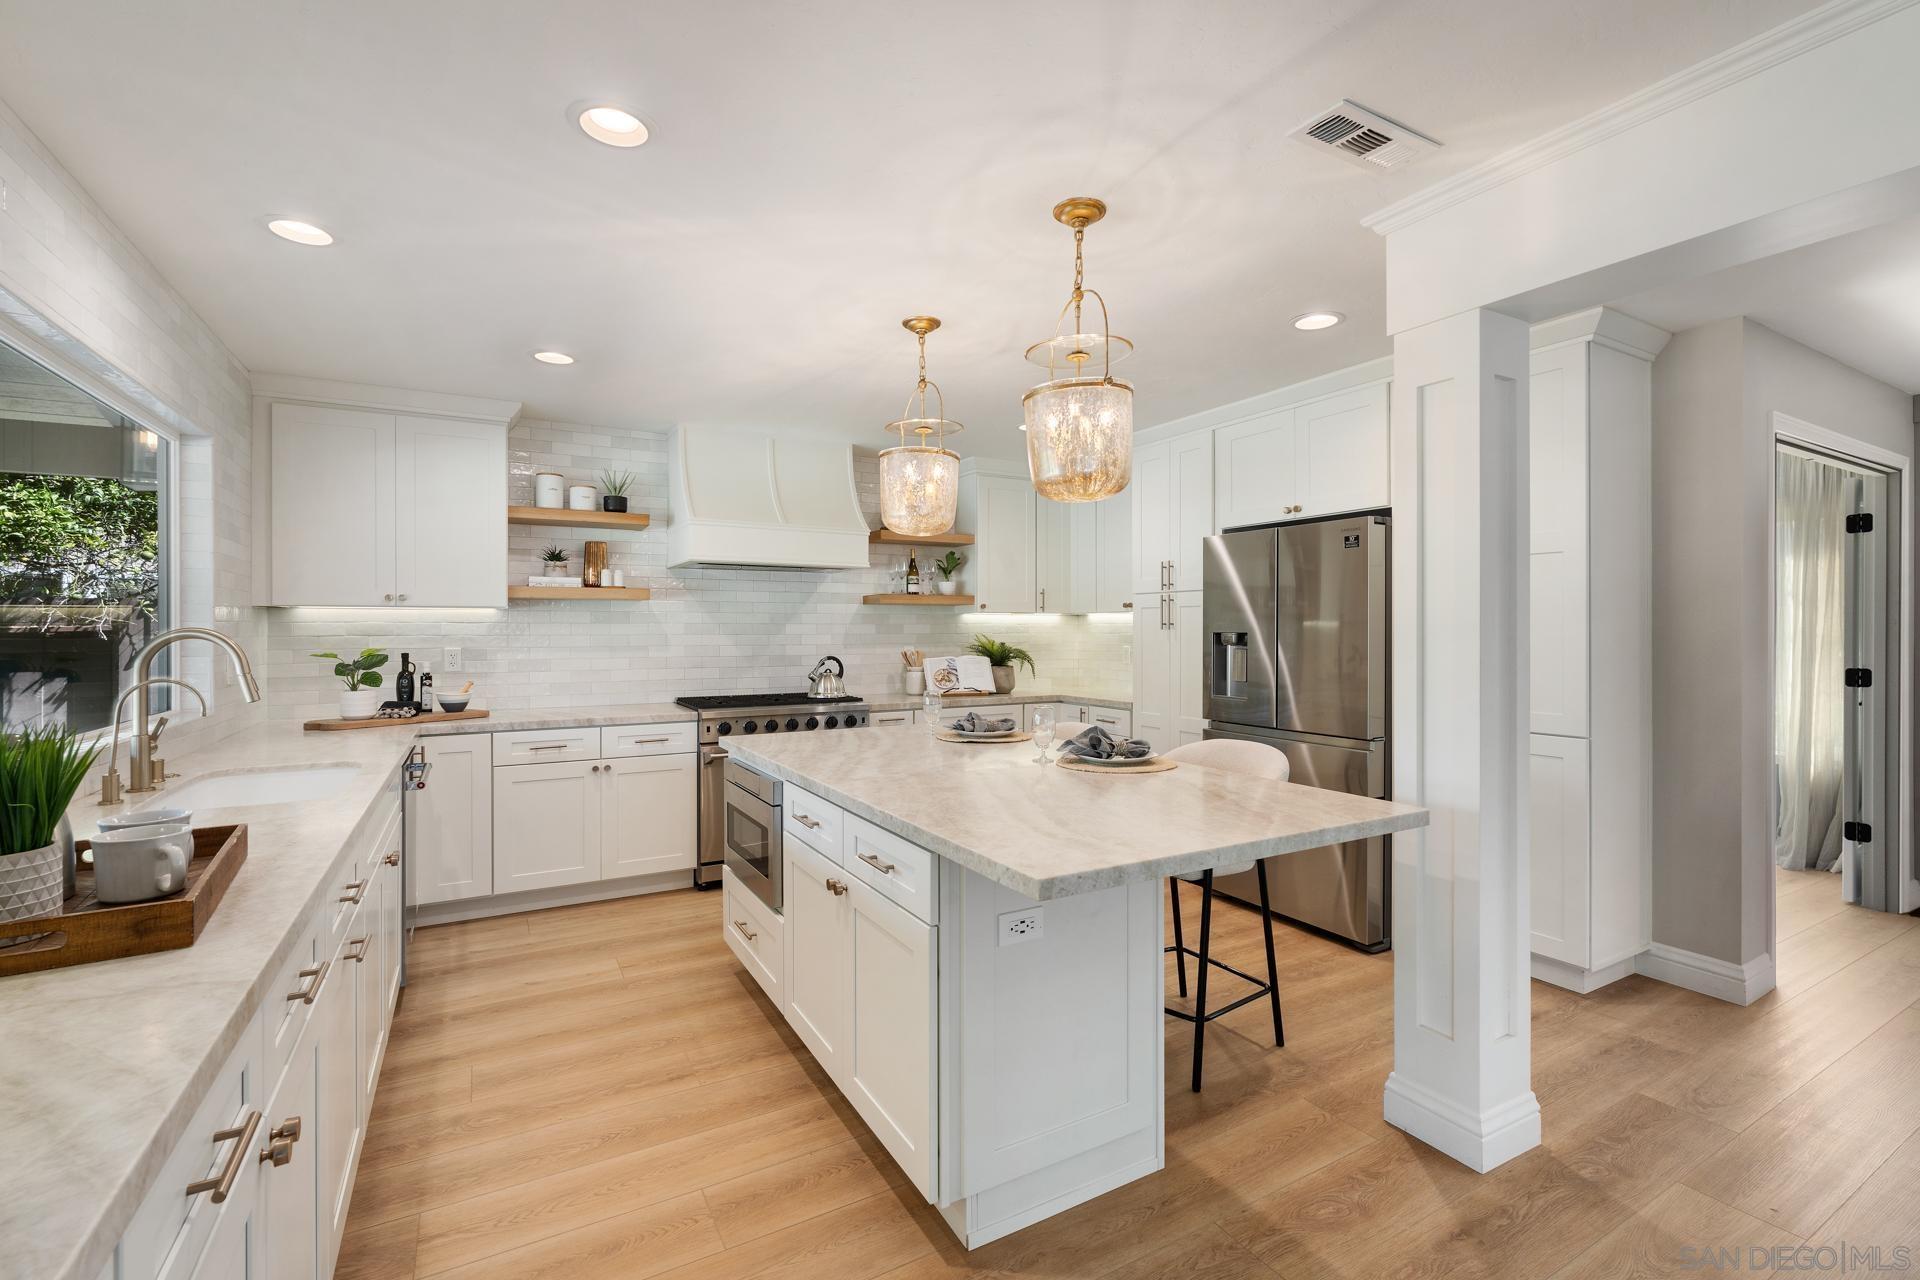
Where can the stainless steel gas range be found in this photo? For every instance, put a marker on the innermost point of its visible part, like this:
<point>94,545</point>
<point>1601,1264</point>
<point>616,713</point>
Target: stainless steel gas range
<point>730,716</point>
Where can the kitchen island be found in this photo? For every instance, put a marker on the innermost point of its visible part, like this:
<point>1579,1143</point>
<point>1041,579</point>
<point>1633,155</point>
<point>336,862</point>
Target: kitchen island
<point>970,944</point>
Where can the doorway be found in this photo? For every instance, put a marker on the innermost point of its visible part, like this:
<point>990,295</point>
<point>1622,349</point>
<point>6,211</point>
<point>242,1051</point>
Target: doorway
<point>1839,601</point>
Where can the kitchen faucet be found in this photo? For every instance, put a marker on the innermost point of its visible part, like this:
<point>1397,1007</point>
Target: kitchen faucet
<point>142,761</point>
<point>111,787</point>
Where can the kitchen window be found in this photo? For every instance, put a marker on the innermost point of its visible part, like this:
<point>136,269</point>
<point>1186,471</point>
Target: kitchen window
<point>86,536</point>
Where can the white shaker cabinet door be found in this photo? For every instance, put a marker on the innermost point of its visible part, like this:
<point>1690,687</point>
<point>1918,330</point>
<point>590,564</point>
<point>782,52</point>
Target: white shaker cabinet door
<point>1186,673</point>
<point>1152,529</point>
<point>289,1193</point>
<point>1343,440</point>
<point>1260,470</point>
<point>546,825</point>
<point>237,1248</point>
<point>339,1122</point>
<point>332,493</point>
<point>1153,672</point>
<point>450,536</point>
<point>1112,555</point>
<point>1558,794</point>
<point>1054,544</point>
<point>889,1063</point>
<point>649,808</point>
<point>1557,576</point>
<point>818,932</point>
<point>450,823</point>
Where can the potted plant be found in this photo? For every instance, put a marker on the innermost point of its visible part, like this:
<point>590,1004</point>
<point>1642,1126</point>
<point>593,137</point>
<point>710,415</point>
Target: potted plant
<point>40,770</point>
<point>946,566</point>
<point>553,561</point>
<point>615,485</point>
<point>1002,657</point>
<point>362,695</point>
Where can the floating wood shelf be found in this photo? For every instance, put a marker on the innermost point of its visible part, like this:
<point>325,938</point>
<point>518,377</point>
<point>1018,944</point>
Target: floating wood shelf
<point>579,593</point>
<point>635,520</point>
<point>905,599</point>
<point>888,538</point>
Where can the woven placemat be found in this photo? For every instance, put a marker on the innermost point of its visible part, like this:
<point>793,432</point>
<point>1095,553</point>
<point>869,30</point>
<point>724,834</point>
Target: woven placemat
<point>1115,771</point>
<point>947,735</point>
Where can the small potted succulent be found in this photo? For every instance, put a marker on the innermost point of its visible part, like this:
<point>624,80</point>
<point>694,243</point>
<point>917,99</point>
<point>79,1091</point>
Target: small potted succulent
<point>553,561</point>
<point>614,485</point>
<point>40,770</point>
<point>361,698</point>
<point>946,566</point>
<point>1002,657</point>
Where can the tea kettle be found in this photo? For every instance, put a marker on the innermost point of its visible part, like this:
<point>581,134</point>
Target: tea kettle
<point>822,683</point>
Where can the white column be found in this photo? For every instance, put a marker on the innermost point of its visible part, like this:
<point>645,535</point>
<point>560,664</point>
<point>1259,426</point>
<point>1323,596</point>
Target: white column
<point>1461,1026</point>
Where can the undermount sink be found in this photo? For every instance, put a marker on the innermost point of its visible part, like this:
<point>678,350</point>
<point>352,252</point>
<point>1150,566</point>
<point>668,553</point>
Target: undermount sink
<point>264,786</point>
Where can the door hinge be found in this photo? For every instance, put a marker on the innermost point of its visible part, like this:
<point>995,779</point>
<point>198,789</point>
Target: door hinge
<point>1857,832</point>
<point>1860,522</point>
<point>1859,677</point>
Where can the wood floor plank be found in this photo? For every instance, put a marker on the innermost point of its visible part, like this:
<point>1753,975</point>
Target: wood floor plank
<point>381,1251</point>
<point>865,1239</point>
<point>628,1246</point>
<point>1205,1254</point>
<point>1678,1235</point>
<point>1884,1214</point>
<point>766,1200</point>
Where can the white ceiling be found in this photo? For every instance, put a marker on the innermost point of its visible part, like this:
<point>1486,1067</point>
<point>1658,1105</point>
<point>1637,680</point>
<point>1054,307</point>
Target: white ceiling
<point>818,171</point>
<point>1855,297</point>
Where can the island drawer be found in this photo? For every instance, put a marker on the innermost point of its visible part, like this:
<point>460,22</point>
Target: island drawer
<point>1116,722</point>
<point>756,936</point>
<point>288,1001</point>
<point>892,719</point>
<point>546,746</point>
<point>814,822</point>
<point>901,870</point>
<point>619,741</point>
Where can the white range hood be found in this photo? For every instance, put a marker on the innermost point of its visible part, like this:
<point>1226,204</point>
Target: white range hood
<point>754,499</point>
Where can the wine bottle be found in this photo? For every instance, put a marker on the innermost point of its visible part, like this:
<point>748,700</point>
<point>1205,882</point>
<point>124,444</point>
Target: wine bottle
<point>403,683</point>
<point>913,574</point>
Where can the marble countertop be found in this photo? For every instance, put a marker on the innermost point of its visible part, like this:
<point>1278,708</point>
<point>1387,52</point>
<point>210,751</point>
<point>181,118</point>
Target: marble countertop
<point>911,701</point>
<point>555,718</point>
<point>105,1062</point>
<point>1047,832</point>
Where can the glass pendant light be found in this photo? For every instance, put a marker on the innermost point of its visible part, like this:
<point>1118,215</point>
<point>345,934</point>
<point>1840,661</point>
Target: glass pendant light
<point>1079,422</point>
<point>920,482</point>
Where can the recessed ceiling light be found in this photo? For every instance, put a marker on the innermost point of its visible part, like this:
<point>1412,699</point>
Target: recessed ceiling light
<point>553,357</point>
<point>1318,320</point>
<point>299,232</point>
<point>615,126</point>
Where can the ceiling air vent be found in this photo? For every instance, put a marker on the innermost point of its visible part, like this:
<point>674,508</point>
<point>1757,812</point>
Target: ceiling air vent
<point>1360,137</point>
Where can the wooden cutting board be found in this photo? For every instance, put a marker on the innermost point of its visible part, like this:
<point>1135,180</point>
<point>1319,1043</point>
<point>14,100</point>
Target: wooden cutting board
<point>373,722</point>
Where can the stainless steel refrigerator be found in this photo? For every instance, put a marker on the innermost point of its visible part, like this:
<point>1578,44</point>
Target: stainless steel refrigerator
<point>1296,628</point>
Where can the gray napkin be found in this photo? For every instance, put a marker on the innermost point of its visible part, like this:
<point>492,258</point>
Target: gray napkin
<point>1097,744</point>
<point>973,722</point>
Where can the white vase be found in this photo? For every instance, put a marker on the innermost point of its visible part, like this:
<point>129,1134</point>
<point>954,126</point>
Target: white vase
<point>916,680</point>
<point>31,883</point>
<point>359,704</point>
<point>947,587</point>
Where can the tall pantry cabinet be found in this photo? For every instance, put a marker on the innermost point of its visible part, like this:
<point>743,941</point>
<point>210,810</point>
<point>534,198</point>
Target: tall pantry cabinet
<point>1590,743</point>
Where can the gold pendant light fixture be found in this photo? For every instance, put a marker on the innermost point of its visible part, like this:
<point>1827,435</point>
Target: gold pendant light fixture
<point>1079,421</point>
<point>920,482</point>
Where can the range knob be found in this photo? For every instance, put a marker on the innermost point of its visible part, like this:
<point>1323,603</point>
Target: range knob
<point>726,727</point>
<point>750,726</point>
<point>792,724</point>
<point>853,722</point>
<point>833,722</point>
<point>772,726</point>
<point>813,722</point>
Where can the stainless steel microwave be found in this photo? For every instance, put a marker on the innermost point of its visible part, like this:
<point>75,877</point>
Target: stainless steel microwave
<point>752,833</point>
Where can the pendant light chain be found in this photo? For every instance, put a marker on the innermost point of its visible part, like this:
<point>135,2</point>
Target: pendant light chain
<point>1079,274</point>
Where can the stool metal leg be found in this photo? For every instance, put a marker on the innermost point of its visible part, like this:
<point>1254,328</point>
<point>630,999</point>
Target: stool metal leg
<point>1273,970</point>
<point>1179,941</point>
<point>1200,979</point>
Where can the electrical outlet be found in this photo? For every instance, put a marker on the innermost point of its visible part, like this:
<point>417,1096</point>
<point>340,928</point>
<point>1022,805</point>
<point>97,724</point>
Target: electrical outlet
<point>450,658</point>
<point>1020,926</point>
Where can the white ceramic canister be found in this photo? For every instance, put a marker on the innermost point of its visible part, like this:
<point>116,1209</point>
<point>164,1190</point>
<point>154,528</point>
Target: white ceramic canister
<point>549,490</point>
<point>583,497</point>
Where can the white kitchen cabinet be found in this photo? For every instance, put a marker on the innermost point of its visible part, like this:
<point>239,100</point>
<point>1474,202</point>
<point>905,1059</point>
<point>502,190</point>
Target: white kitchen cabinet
<point>1115,721</point>
<point>546,825</point>
<point>237,1248</point>
<point>887,1064</point>
<point>1056,567</point>
<point>649,810</point>
<point>1113,553</point>
<point>1259,469</point>
<point>1172,513</point>
<point>450,823</point>
<point>1318,458</point>
<point>338,1124</point>
<point>290,1192</point>
<point>1590,692</point>
<point>818,924</point>
<point>1168,706</point>
<point>377,509</point>
<point>757,937</point>
<point>1086,553</point>
<point>999,511</point>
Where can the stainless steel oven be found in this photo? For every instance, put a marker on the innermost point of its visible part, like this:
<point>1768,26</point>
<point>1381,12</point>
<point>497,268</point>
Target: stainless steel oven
<point>751,822</point>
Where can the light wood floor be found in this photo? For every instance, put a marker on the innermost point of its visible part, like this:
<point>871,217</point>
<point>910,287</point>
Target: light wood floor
<point>601,1092</point>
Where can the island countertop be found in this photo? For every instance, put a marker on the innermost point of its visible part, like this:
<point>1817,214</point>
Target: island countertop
<point>1048,832</point>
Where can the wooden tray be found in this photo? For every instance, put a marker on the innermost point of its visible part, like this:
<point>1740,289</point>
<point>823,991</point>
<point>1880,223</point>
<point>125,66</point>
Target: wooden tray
<point>431,717</point>
<point>947,735</point>
<point>86,930</point>
<point>1160,765</point>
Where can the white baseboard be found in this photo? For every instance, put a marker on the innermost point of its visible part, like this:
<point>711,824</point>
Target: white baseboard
<point>1573,978</point>
<point>507,904</point>
<point>1481,1141</point>
<point>1721,979</point>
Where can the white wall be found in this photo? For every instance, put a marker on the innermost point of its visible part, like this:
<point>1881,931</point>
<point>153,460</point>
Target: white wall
<point>704,631</point>
<point>76,295</point>
<point>1716,388</point>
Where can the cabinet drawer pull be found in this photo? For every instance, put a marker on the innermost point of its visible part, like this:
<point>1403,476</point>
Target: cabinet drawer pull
<point>547,746</point>
<point>318,975</point>
<point>811,824</point>
<point>641,742</point>
<point>392,859</point>
<point>883,867</point>
<point>360,956</point>
<point>279,1150</point>
<point>355,891</point>
<point>748,934</point>
<point>221,1184</point>
<point>1105,720</point>
<point>889,719</point>
<point>835,887</point>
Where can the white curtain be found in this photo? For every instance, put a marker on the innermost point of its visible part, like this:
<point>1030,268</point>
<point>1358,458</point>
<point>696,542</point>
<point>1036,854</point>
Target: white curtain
<point>1809,690</point>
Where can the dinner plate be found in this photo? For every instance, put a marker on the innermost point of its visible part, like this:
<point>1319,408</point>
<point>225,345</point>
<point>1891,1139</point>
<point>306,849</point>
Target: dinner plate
<point>1114,762</point>
<point>997,733</point>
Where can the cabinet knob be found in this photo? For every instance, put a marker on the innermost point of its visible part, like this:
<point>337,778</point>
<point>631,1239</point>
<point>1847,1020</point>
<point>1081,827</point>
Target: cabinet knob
<point>388,597</point>
<point>835,887</point>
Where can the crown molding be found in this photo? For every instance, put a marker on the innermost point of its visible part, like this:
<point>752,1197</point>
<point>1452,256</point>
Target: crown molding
<point>1749,58</point>
<point>286,386</point>
<point>1602,325</point>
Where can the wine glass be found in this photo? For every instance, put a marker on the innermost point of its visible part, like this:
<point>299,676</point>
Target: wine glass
<point>1043,718</point>
<point>931,710</point>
